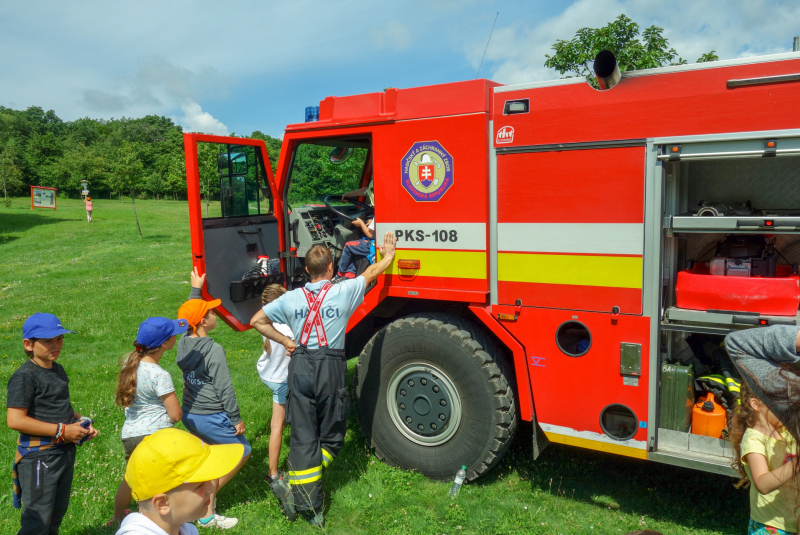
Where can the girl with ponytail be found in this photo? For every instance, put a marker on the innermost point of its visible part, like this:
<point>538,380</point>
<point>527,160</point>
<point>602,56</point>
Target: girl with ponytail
<point>146,392</point>
<point>765,429</point>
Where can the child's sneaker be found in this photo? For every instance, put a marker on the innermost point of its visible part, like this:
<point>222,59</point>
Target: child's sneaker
<point>284,494</point>
<point>218,521</point>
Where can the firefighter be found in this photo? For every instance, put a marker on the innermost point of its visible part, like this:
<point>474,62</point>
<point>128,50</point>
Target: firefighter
<point>318,403</point>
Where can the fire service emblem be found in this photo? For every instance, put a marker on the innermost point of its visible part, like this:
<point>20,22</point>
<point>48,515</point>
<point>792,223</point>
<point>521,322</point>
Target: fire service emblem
<point>427,171</point>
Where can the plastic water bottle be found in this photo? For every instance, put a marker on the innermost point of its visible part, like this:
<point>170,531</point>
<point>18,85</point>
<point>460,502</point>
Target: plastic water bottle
<point>461,475</point>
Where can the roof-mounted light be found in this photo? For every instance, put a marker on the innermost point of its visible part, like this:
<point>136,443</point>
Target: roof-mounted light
<point>312,114</point>
<point>513,107</point>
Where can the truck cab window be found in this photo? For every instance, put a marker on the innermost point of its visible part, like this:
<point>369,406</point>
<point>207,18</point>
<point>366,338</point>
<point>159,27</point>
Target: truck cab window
<point>330,185</point>
<point>315,173</point>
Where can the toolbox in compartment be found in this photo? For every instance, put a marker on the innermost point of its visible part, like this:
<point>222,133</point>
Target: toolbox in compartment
<point>698,289</point>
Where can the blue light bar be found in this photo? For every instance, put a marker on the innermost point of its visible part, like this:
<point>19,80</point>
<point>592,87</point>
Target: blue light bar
<point>312,114</point>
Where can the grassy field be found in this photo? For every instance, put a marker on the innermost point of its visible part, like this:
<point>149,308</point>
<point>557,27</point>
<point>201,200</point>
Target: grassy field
<point>103,279</point>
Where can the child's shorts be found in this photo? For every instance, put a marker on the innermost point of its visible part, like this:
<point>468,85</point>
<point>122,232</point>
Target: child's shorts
<point>129,444</point>
<point>757,528</point>
<point>215,429</point>
<point>279,391</point>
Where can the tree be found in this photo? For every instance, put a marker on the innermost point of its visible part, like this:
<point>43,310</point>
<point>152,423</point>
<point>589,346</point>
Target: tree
<point>129,174</point>
<point>175,175</point>
<point>10,174</point>
<point>622,38</point>
<point>273,147</point>
<point>155,184</point>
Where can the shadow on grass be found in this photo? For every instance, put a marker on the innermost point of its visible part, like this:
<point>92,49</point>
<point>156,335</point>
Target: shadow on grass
<point>684,497</point>
<point>21,222</point>
<point>7,239</point>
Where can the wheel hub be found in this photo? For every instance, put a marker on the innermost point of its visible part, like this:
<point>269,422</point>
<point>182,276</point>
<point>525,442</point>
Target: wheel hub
<point>424,404</point>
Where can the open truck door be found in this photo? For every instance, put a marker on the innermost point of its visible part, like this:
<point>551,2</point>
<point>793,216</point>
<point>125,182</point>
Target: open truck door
<point>235,217</point>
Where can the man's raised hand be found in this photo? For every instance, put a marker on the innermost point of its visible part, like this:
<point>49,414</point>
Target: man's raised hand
<point>389,242</point>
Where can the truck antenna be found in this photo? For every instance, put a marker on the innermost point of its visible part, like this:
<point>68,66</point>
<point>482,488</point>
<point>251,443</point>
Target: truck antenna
<point>487,45</point>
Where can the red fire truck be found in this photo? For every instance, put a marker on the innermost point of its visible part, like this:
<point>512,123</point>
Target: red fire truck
<point>546,234</point>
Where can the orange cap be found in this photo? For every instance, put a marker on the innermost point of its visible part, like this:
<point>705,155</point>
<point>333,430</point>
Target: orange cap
<point>195,310</point>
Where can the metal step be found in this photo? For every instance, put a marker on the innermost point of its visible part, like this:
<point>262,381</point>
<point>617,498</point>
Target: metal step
<point>694,451</point>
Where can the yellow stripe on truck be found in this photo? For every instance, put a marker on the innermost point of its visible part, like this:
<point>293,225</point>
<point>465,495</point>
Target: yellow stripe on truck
<point>597,445</point>
<point>451,264</point>
<point>580,270</point>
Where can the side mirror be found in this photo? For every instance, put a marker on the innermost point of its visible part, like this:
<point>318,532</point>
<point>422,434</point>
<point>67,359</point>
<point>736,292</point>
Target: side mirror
<point>340,155</point>
<point>235,162</point>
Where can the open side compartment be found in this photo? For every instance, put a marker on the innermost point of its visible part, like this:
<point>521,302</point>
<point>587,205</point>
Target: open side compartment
<point>731,245</point>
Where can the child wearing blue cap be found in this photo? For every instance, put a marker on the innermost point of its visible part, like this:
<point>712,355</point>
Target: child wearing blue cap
<point>38,406</point>
<point>146,392</point>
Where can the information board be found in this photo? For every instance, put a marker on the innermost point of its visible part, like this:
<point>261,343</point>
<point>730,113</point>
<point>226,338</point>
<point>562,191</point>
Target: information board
<point>42,197</point>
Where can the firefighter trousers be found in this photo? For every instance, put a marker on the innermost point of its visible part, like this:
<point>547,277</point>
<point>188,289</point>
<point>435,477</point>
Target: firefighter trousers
<point>317,409</point>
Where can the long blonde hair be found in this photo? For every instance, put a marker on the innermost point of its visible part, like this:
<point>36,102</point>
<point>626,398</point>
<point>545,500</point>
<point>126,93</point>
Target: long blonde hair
<point>126,387</point>
<point>270,294</point>
<point>744,417</point>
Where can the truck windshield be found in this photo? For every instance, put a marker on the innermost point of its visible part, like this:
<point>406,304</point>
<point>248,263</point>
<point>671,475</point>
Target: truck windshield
<point>313,176</point>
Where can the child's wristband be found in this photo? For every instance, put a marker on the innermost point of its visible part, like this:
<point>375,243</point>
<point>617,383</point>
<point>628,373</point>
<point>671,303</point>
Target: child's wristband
<point>59,436</point>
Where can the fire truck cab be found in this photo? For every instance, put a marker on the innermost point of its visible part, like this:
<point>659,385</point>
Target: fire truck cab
<point>553,263</point>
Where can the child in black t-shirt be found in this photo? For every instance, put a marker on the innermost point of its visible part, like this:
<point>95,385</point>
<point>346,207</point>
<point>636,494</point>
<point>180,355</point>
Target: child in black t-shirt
<point>39,408</point>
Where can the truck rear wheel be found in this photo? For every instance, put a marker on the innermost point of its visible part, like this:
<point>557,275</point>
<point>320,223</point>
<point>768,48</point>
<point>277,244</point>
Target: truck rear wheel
<point>432,394</point>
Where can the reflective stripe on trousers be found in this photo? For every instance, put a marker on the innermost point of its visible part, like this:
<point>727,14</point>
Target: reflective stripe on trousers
<point>317,408</point>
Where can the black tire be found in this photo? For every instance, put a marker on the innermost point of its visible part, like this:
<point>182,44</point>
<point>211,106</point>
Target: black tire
<point>461,356</point>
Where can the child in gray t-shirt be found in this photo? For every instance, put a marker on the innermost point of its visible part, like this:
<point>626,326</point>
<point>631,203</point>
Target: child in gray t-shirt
<point>146,392</point>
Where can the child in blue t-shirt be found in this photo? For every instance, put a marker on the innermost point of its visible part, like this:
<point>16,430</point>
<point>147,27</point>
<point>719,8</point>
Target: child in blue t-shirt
<point>146,392</point>
<point>364,246</point>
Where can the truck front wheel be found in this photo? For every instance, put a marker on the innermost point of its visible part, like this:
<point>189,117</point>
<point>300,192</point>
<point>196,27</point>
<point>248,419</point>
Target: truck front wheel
<point>432,395</point>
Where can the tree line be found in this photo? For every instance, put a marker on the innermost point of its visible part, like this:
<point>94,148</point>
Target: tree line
<point>136,158</point>
<point>38,148</point>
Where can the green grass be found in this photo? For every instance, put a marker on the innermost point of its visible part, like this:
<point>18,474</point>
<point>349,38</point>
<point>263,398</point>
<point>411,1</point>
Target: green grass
<point>102,280</point>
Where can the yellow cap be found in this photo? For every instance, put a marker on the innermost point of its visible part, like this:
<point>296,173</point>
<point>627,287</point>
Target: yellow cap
<point>170,457</point>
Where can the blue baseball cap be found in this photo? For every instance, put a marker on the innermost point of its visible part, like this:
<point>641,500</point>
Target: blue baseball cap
<point>153,332</point>
<point>43,325</point>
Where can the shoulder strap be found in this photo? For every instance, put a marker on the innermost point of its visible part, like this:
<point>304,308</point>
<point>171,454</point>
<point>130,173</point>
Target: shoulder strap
<point>314,320</point>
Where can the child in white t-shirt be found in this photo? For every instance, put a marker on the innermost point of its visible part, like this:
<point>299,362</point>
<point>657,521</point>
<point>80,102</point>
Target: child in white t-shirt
<point>273,369</point>
<point>146,392</point>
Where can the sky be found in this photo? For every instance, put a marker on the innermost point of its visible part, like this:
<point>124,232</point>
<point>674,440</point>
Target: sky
<point>237,67</point>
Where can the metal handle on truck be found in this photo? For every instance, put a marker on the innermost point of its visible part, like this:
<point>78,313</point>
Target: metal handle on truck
<point>763,322</point>
<point>765,222</point>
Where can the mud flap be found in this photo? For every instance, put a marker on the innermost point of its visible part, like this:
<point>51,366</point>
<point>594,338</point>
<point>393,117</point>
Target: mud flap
<point>540,440</point>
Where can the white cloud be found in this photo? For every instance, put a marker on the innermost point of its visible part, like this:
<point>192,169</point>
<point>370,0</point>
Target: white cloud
<point>394,36</point>
<point>196,120</point>
<point>155,85</point>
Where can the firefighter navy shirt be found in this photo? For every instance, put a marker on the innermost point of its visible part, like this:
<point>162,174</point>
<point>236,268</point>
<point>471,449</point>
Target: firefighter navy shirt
<point>340,302</point>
